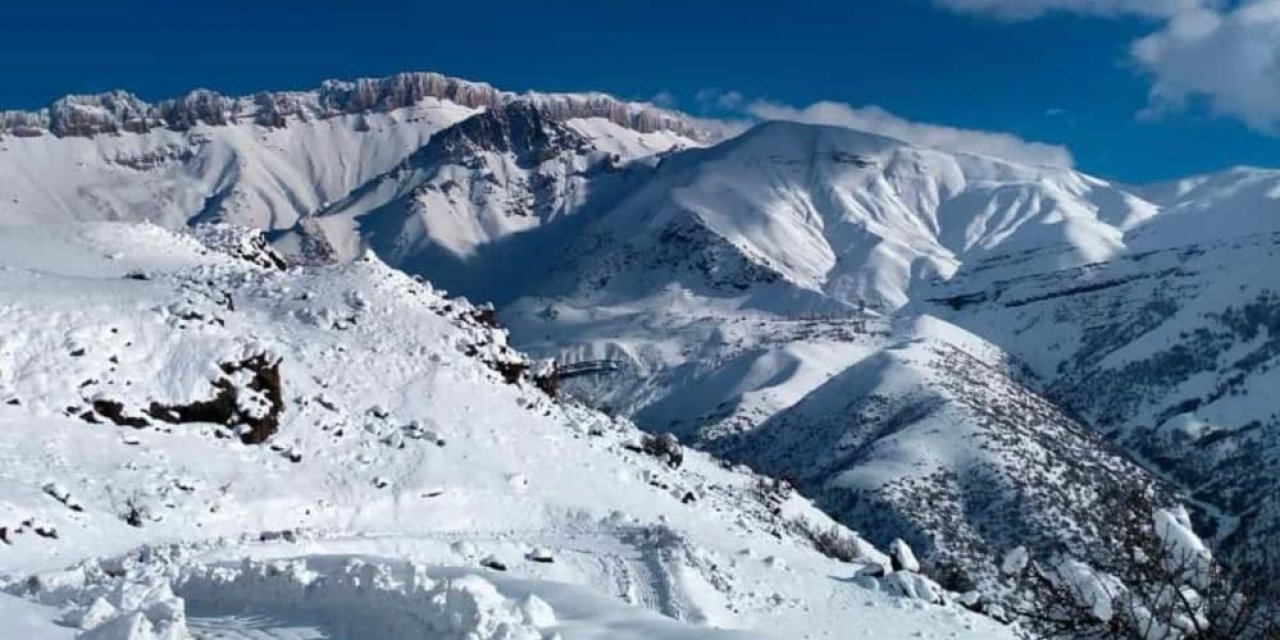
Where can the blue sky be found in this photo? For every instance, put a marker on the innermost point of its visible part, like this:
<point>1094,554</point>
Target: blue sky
<point>1065,77</point>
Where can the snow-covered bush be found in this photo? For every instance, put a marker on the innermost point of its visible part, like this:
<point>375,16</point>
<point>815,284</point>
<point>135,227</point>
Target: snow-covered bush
<point>665,447</point>
<point>1159,581</point>
<point>835,541</point>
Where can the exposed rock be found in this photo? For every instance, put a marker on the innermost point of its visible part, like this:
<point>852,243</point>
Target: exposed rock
<point>114,411</point>
<point>902,557</point>
<point>88,115</point>
<point>519,128</point>
<point>257,419</point>
<point>494,563</point>
<point>199,106</point>
<point>120,112</point>
<point>238,242</point>
<point>540,555</point>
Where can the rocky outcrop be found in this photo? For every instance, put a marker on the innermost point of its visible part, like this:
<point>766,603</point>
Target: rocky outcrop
<point>196,107</point>
<point>404,90</point>
<point>519,128</point>
<point>249,245</point>
<point>121,112</point>
<point>23,123</point>
<point>641,117</point>
<point>89,115</point>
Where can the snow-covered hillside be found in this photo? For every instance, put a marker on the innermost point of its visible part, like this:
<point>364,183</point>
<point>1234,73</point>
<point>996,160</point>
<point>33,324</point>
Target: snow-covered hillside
<point>244,173</point>
<point>950,348</point>
<point>857,217</point>
<point>746,292</point>
<point>1171,351</point>
<point>696,280</point>
<point>197,440</point>
<point>469,206</point>
<point>263,160</point>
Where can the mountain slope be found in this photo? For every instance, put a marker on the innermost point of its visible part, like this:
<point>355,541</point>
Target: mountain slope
<point>857,218</point>
<point>753,294</point>
<point>340,448</point>
<point>933,439</point>
<point>486,185</point>
<point>263,160</point>
<point>1169,348</point>
<point>741,294</point>
<point>242,173</point>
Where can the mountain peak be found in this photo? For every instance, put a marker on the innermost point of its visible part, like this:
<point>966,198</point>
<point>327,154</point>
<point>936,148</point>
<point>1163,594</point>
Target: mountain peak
<point>521,128</point>
<point>787,135</point>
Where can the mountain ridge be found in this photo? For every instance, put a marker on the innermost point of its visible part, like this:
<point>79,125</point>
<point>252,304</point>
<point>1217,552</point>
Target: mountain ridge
<point>736,288</point>
<point>119,111</point>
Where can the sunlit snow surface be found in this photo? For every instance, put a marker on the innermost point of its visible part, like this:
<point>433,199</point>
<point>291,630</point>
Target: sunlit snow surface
<point>416,463</point>
<point>824,304</point>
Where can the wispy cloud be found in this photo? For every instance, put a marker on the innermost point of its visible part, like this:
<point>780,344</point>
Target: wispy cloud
<point>1028,9</point>
<point>873,119</point>
<point>664,99</point>
<point>719,100</point>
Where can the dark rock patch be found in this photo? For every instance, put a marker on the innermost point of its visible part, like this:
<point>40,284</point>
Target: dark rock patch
<point>224,409</point>
<point>114,411</point>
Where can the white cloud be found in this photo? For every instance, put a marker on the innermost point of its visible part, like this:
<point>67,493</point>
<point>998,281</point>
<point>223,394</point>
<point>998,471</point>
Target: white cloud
<point>1224,52</point>
<point>876,120</point>
<point>719,99</point>
<point>1027,9</point>
<point>1231,59</point>
<point>664,99</point>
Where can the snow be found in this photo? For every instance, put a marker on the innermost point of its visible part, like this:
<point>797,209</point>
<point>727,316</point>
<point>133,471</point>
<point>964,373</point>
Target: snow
<point>850,214</point>
<point>1015,561</point>
<point>1095,591</point>
<point>903,557</point>
<point>242,173</point>
<point>750,298</point>
<point>628,143</point>
<point>24,620</point>
<point>182,528</point>
<point>1188,556</point>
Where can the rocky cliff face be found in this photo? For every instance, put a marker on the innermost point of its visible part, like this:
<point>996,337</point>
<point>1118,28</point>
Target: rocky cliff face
<point>121,112</point>
<point>520,129</point>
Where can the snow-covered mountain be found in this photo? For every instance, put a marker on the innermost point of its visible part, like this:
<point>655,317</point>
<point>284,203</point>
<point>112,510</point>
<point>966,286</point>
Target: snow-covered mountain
<point>953,349</point>
<point>1169,349</point>
<point>749,290</point>
<point>860,218</point>
<point>762,292</point>
<point>197,441</point>
<point>476,186</point>
<point>263,160</point>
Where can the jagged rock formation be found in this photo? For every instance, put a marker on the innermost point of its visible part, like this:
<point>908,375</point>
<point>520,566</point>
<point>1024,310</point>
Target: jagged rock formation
<point>522,129</point>
<point>119,111</point>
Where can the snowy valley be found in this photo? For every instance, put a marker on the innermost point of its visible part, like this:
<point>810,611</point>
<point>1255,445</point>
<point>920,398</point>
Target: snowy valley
<point>453,361</point>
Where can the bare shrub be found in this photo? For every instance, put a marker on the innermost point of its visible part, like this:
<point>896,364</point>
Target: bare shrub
<point>1146,586</point>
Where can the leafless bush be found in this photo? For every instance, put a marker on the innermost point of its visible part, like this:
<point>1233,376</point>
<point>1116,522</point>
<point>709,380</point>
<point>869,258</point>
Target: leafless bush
<point>833,542</point>
<point>1151,589</point>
